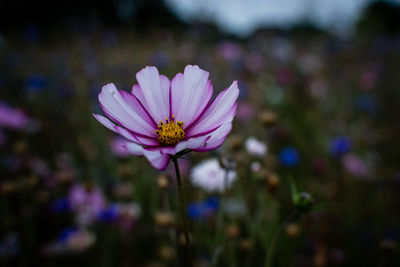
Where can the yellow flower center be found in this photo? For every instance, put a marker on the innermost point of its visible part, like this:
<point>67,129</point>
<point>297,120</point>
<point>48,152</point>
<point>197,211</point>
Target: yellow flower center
<point>170,132</point>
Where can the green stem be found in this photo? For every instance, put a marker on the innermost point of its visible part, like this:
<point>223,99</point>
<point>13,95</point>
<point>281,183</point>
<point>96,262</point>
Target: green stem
<point>220,220</point>
<point>183,213</point>
<point>271,248</point>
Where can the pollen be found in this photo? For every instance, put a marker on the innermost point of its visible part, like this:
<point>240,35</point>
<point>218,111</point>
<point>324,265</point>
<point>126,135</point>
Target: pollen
<point>170,132</point>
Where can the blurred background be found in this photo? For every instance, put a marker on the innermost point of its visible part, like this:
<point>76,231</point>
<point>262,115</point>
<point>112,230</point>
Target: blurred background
<point>318,111</point>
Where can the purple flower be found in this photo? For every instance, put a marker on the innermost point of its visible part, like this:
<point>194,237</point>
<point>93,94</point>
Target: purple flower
<point>88,204</point>
<point>12,118</point>
<point>229,50</point>
<point>355,166</point>
<point>161,118</point>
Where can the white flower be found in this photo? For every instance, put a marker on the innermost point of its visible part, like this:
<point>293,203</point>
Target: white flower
<point>255,166</point>
<point>210,176</point>
<point>255,147</point>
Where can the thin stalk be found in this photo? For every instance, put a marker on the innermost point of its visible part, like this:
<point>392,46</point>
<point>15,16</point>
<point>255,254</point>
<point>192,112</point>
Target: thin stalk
<point>220,220</point>
<point>271,248</point>
<point>183,213</point>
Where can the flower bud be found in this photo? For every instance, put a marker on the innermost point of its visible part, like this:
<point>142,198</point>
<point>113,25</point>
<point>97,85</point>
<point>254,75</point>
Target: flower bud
<point>235,142</point>
<point>303,201</point>
<point>268,118</point>
<point>182,239</point>
<point>164,219</point>
<point>272,181</point>
<point>232,231</point>
<point>293,229</point>
<point>163,181</point>
<point>166,253</point>
<point>246,244</point>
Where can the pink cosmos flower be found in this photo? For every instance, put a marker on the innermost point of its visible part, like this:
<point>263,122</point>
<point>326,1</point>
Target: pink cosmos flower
<point>160,118</point>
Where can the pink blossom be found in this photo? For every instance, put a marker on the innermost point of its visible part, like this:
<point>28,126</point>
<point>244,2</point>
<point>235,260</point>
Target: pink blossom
<point>160,118</point>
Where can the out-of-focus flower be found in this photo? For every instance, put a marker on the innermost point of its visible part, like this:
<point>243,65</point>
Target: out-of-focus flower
<point>255,147</point>
<point>166,253</point>
<point>340,145</point>
<point>289,157</point>
<point>162,118</point>
<point>245,112</point>
<point>123,190</point>
<point>355,166</point>
<point>35,83</point>
<point>282,49</point>
<point>268,118</point>
<point>203,210</point>
<point>293,229</point>
<point>284,76</point>
<point>254,62</point>
<point>164,219</point>
<point>210,176</point>
<point>318,89</point>
<point>128,214</point>
<point>232,231</point>
<point>12,118</point>
<point>72,239</point>
<point>369,78</point>
<point>255,166</point>
<point>272,181</point>
<point>87,203</point>
<point>229,51</point>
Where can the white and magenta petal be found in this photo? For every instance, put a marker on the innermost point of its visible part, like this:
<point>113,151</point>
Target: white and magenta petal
<point>216,138</point>
<point>222,109</point>
<point>191,144</point>
<point>125,133</point>
<point>190,94</point>
<point>154,156</point>
<point>153,92</point>
<point>126,111</point>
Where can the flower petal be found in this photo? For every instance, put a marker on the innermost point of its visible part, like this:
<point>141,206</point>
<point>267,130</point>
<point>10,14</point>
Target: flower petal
<point>216,138</point>
<point>192,144</point>
<point>126,111</point>
<point>220,111</point>
<point>153,92</point>
<point>154,156</point>
<point>125,133</point>
<point>190,94</point>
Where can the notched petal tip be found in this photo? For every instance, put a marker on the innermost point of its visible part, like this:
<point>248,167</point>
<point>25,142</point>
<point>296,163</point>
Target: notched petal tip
<point>148,70</point>
<point>195,69</point>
